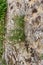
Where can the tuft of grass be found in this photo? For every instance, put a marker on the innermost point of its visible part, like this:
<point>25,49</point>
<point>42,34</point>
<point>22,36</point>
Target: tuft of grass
<point>18,32</point>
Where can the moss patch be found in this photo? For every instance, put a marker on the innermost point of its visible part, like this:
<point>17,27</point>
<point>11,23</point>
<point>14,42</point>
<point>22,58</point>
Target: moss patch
<point>18,32</point>
<point>3,7</point>
<point>41,56</point>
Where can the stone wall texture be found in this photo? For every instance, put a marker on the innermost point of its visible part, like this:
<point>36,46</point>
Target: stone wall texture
<point>29,51</point>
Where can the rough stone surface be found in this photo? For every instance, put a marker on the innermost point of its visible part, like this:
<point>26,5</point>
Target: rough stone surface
<point>28,52</point>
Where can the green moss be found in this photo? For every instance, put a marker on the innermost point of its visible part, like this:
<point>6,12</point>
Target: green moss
<point>3,7</point>
<point>3,62</point>
<point>19,20</point>
<point>18,32</point>
<point>41,56</point>
<point>18,35</point>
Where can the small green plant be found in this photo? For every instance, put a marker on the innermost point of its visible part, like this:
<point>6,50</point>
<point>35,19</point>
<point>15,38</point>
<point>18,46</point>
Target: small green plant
<point>18,32</point>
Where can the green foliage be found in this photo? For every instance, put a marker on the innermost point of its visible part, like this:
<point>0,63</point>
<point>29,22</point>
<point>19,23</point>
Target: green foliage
<point>1,38</point>
<point>1,50</point>
<point>3,7</point>
<point>18,32</point>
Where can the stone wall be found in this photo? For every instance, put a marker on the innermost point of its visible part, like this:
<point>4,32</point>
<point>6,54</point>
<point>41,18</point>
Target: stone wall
<point>27,52</point>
